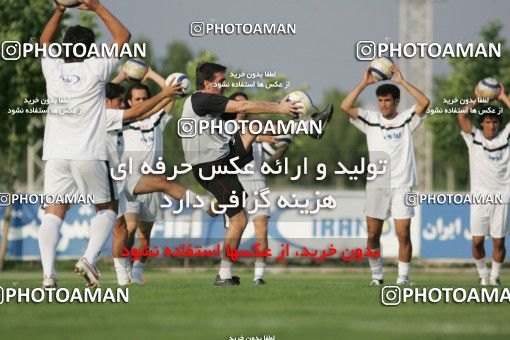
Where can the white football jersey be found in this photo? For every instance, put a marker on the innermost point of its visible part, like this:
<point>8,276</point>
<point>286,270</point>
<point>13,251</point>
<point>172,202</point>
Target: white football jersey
<point>80,87</point>
<point>489,169</point>
<point>391,139</point>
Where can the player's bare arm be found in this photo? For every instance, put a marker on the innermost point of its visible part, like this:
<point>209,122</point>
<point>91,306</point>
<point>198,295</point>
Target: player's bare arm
<point>154,104</point>
<point>422,102</point>
<point>463,117</point>
<point>160,81</point>
<point>52,25</point>
<point>348,103</point>
<point>119,78</point>
<point>119,32</point>
<point>502,97</point>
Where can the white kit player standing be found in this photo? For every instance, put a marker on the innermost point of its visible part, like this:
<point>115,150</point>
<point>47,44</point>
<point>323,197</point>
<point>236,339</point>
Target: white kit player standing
<point>489,172</point>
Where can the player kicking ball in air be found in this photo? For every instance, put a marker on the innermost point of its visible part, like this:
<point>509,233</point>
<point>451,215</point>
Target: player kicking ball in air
<point>389,137</point>
<point>75,148</point>
<point>489,172</point>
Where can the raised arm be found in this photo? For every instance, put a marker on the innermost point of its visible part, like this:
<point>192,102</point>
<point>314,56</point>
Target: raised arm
<point>154,76</point>
<point>505,99</point>
<point>152,105</point>
<point>348,103</point>
<point>158,79</point>
<point>422,102</point>
<point>52,25</point>
<point>119,32</point>
<point>257,107</point>
<point>463,117</point>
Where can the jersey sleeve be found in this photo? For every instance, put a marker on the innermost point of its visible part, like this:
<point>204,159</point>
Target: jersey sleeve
<point>469,137</point>
<point>208,103</point>
<point>414,119</point>
<point>49,64</point>
<point>103,66</point>
<point>506,131</point>
<point>363,120</point>
<point>114,119</point>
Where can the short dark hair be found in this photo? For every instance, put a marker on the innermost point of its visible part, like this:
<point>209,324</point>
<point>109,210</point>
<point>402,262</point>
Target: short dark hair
<point>495,114</point>
<point>205,71</point>
<point>239,93</point>
<point>387,89</point>
<point>78,35</point>
<point>113,91</point>
<point>129,92</point>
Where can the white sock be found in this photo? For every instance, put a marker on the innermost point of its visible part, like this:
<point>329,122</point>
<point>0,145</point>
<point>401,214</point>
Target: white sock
<point>225,270</point>
<point>137,270</point>
<point>495,269</point>
<point>48,235</point>
<point>122,268</point>
<point>259,270</point>
<point>404,268</point>
<point>376,266</point>
<point>481,266</point>
<point>100,230</point>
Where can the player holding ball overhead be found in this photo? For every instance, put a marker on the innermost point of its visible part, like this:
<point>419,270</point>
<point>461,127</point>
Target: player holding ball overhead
<point>489,172</point>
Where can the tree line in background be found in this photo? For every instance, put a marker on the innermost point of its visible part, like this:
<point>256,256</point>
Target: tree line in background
<point>24,20</point>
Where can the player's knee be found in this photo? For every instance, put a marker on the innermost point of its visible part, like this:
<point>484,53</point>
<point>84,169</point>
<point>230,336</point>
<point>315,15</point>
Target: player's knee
<point>374,235</point>
<point>404,236</point>
<point>499,244</point>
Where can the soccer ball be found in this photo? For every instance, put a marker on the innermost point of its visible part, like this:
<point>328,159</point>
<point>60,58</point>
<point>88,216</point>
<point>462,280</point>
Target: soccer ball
<point>488,88</point>
<point>185,83</point>
<point>69,3</point>
<point>283,140</point>
<point>380,68</point>
<point>305,104</point>
<point>135,69</point>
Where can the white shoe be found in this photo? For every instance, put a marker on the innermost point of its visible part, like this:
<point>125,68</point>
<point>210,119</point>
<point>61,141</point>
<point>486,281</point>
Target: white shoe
<point>484,281</point>
<point>403,280</point>
<point>88,271</point>
<point>138,281</point>
<point>49,282</point>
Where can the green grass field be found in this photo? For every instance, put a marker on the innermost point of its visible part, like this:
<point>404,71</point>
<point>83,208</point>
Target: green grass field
<point>311,305</point>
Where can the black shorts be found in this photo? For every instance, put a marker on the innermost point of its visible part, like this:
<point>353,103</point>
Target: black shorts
<point>222,186</point>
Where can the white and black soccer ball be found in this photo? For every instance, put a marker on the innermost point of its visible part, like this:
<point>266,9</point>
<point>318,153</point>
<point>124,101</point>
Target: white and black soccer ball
<point>380,68</point>
<point>135,69</point>
<point>488,88</point>
<point>69,3</point>
<point>185,83</point>
<point>305,104</point>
